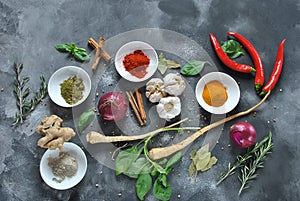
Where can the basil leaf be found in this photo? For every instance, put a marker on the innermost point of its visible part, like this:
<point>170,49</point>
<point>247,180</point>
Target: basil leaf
<point>232,48</point>
<point>62,47</point>
<point>140,166</point>
<point>193,67</point>
<point>160,191</point>
<point>81,56</point>
<point>85,119</point>
<point>174,159</point>
<point>143,185</point>
<point>125,158</point>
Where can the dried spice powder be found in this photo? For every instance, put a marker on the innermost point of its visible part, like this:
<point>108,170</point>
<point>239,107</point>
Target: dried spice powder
<point>136,63</point>
<point>65,165</point>
<point>214,93</point>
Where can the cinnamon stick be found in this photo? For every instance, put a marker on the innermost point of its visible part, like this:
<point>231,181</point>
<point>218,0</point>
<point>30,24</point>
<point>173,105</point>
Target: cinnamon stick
<point>98,53</point>
<point>135,109</point>
<point>103,53</point>
<point>140,104</point>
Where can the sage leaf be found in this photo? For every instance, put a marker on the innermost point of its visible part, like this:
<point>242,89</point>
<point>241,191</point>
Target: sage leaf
<point>232,48</point>
<point>160,191</point>
<point>125,158</point>
<point>164,64</point>
<point>193,67</point>
<point>85,119</point>
<point>143,185</point>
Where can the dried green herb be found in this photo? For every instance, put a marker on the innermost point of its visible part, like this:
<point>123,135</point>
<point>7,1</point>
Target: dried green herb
<point>25,107</point>
<point>72,89</point>
<point>201,160</point>
<point>164,64</point>
<point>79,53</point>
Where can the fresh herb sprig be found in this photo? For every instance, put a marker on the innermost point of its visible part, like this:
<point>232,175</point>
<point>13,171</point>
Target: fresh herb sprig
<point>232,48</point>
<point>79,53</point>
<point>248,171</point>
<point>26,107</point>
<point>135,162</point>
<point>249,162</point>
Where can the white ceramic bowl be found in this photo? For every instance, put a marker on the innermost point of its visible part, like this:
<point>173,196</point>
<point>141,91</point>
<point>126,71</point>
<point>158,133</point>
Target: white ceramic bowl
<point>129,48</point>
<point>232,88</point>
<point>67,183</point>
<point>63,74</point>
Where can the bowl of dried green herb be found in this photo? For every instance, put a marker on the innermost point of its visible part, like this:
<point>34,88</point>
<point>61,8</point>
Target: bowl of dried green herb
<point>69,86</point>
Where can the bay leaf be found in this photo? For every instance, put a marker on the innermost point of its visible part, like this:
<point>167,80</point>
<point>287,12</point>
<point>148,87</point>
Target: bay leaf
<point>213,160</point>
<point>164,64</point>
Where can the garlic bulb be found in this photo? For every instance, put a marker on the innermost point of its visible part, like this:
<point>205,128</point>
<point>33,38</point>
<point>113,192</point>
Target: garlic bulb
<point>155,90</point>
<point>174,84</point>
<point>168,107</point>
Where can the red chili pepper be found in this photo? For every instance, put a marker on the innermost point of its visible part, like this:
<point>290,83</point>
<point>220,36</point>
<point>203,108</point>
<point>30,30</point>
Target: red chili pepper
<point>259,75</point>
<point>226,60</point>
<point>276,70</point>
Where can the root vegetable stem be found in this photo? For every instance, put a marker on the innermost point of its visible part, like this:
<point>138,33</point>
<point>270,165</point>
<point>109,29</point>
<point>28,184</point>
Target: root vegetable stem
<point>158,153</point>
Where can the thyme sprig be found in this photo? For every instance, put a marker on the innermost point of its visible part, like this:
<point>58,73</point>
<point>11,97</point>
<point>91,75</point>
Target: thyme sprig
<point>25,107</point>
<point>248,172</point>
<point>249,162</point>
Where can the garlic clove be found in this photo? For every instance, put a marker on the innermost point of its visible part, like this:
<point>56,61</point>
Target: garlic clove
<point>168,108</point>
<point>174,84</point>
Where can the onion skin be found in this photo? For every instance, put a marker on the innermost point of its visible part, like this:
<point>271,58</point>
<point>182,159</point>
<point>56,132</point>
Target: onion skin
<point>243,134</point>
<point>112,106</point>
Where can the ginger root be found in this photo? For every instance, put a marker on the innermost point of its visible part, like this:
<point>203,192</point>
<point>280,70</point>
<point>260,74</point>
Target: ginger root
<point>54,134</point>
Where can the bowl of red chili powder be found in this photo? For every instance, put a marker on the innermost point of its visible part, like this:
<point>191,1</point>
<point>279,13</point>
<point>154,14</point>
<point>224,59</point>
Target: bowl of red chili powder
<point>136,61</point>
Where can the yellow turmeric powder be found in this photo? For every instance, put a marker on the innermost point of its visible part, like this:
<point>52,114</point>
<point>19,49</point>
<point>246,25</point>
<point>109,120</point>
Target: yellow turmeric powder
<point>214,93</point>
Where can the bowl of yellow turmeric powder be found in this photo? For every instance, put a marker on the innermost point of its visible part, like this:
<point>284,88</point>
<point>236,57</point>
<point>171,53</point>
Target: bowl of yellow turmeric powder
<point>217,93</point>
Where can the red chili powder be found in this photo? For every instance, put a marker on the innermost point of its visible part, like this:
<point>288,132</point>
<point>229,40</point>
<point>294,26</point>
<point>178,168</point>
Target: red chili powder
<point>136,63</point>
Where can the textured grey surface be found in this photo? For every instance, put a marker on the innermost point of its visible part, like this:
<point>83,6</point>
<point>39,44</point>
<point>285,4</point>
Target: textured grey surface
<point>30,29</point>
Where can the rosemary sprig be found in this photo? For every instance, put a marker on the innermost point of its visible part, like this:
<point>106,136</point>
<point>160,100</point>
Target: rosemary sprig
<point>248,172</point>
<point>241,160</point>
<point>21,93</point>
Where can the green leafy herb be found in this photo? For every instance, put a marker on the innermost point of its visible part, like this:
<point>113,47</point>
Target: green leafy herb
<point>143,185</point>
<point>250,162</point>
<point>132,163</point>
<point>232,48</point>
<point>25,107</point>
<point>79,53</point>
<point>248,172</point>
<point>85,119</point>
<point>164,64</point>
<point>161,188</point>
<point>201,160</point>
<point>193,68</point>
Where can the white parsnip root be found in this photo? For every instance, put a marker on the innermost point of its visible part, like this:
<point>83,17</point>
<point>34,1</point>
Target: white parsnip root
<point>159,153</point>
<point>95,137</point>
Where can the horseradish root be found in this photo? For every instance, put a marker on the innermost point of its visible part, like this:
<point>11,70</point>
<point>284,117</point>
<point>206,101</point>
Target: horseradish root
<point>158,153</point>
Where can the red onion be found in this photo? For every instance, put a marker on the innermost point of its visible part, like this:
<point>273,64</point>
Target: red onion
<point>112,106</point>
<point>243,134</point>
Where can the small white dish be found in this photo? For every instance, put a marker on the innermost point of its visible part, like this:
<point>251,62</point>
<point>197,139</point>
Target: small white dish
<point>129,48</point>
<point>68,182</point>
<point>63,74</point>
<point>232,89</point>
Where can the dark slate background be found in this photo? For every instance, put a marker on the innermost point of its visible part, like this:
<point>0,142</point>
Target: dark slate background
<point>29,30</point>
